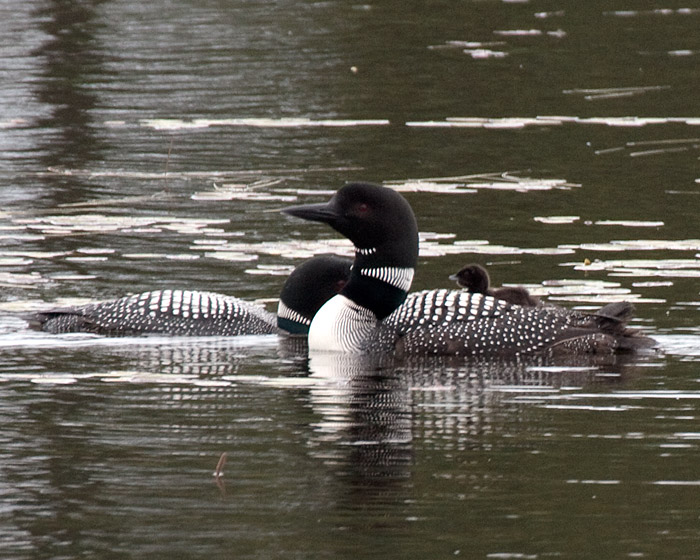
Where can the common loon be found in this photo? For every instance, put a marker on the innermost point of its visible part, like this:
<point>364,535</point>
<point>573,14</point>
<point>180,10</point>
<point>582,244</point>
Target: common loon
<point>367,315</point>
<point>195,313</point>
<point>475,279</point>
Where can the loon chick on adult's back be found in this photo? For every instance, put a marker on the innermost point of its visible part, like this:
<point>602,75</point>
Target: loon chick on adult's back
<point>475,279</point>
<point>367,315</point>
<point>196,313</point>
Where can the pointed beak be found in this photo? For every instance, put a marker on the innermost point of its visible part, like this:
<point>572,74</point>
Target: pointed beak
<point>313,212</point>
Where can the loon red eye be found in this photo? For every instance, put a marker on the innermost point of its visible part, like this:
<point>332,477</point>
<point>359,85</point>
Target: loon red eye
<point>362,208</point>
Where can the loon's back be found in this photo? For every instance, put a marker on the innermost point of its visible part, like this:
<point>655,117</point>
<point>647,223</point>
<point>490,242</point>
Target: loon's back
<point>172,312</point>
<point>464,323</point>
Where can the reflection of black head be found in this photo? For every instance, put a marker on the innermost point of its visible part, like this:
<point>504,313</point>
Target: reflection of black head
<point>71,57</point>
<point>307,288</point>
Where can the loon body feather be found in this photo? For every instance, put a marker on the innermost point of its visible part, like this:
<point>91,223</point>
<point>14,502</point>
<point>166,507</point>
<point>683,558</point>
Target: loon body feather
<point>172,312</point>
<point>195,313</point>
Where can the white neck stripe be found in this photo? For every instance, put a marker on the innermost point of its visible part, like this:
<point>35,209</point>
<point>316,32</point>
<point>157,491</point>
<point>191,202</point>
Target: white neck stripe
<point>400,278</point>
<point>288,313</point>
<point>366,252</point>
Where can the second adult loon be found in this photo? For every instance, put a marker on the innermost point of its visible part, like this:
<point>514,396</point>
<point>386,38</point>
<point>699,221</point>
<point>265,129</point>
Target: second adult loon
<point>381,225</point>
<point>197,313</point>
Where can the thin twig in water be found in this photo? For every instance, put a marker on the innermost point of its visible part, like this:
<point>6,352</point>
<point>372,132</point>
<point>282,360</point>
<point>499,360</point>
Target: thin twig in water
<point>219,471</point>
<point>167,164</point>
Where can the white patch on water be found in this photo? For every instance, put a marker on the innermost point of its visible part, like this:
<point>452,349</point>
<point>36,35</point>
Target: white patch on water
<point>629,223</point>
<point>659,268</point>
<point>556,220</point>
<point>179,124</point>
<point>522,122</point>
<point>484,53</point>
<point>502,181</point>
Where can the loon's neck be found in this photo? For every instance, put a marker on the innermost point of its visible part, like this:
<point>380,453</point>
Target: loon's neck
<point>376,288</point>
<point>377,282</point>
<point>291,321</point>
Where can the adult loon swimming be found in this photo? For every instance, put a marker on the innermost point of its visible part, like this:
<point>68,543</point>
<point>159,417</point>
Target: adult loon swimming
<point>362,318</point>
<point>195,313</point>
<point>474,278</point>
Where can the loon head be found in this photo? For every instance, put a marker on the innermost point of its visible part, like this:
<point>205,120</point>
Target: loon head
<point>382,227</point>
<point>472,278</point>
<point>308,287</point>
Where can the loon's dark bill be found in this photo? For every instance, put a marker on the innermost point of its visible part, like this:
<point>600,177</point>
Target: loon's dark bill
<point>314,212</point>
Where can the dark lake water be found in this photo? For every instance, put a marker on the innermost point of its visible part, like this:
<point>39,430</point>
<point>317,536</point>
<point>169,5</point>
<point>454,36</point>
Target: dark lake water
<point>148,145</point>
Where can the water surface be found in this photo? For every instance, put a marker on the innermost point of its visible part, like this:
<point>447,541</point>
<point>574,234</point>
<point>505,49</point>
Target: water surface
<point>148,145</point>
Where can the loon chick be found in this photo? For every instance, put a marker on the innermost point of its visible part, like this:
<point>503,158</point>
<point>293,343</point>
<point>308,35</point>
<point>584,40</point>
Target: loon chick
<point>195,313</point>
<point>475,279</point>
<point>367,315</point>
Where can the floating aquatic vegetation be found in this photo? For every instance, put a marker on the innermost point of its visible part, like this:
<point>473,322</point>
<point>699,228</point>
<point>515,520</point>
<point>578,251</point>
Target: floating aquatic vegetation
<point>661,268</point>
<point>518,32</point>
<point>420,185</point>
<point>233,256</point>
<point>179,124</point>
<point>521,122</point>
<point>142,256</point>
<point>484,122</point>
<point>475,49</point>
<point>654,12</point>
<point>23,279</point>
<point>86,259</point>
<point>469,183</point>
<point>582,289</point>
<point>258,191</point>
<point>545,15</point>
<point>95,250</point>
<point>652,284</point>
<point>298,249</point>
<point>640,245</point>
<point>27,305</point>
<point>629,223</point>
<point>100,223</point>
<point>432,248</point>
<point>592,94</point>
<point>558,33</point>
<point>484,53</point>
<point>68,276</point>
<point>14,261</point>
<point>654,147</point>
<point>467,45</point>
<point>270,270</point>
<point>556,219</point>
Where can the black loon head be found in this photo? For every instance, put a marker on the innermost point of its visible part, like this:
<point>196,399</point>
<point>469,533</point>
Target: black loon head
<point>308,287</point>
<point>473,278</point>
<point>382,227</point>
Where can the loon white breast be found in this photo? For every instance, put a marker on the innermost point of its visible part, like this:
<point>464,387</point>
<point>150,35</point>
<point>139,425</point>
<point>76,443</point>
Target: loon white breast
<point>374,312</point>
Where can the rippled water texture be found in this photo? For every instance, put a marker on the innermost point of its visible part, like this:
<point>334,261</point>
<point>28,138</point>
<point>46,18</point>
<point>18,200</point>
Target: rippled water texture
<point>149,145</point>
